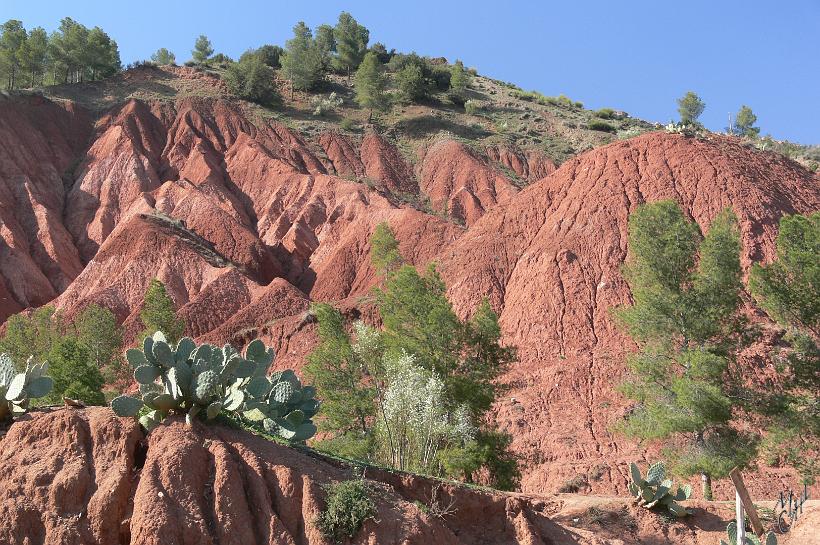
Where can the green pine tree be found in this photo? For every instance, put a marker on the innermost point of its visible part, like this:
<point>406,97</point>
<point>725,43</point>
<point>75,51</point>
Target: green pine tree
<point>371,84</point>
<point>302,62</point>
<point>351,43</point>
<point>158,313</point>
<point>250,78</point>
<point>744,122</point>
<point>12,39</point>
<point>163,57</point>
<point>459,83</point>
<point>690,106</point>
<point>789,290</point>
<point>686,293</point>
<point>202,49</point>
<point>74,373</point>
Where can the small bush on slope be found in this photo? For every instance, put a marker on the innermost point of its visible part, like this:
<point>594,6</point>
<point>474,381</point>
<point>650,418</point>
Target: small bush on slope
<point>348,507</point>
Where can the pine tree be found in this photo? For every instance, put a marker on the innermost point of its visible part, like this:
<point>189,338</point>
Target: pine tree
<point>789,290</point>
<point>96,328</point>
<point>302,62</point>
<point>459,82</point>
<point>12,38</point>
<point>158,313</point>
<point>202,49</point>
<point>684,317</point>
<point>351,43</point>
<point>75,375</point>
<point>690,106</point>
<point>33,56</point>
<point>744,122</point>
<point>163,57</point>
<point>34,335</point>
<point>326,44</point>
<point>370,85</point>
<point>346,377</point>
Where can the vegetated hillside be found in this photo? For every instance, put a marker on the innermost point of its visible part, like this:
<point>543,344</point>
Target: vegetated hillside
<point>86,477</point>
<point>247,215</point>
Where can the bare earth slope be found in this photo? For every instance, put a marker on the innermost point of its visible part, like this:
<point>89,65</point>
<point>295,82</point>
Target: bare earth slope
<point>247,221</point>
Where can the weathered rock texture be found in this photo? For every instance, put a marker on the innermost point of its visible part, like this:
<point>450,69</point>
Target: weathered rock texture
<point>248,222</point>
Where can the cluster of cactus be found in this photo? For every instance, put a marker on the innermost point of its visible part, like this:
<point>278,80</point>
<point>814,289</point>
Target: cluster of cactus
<point>204,381</point>
<point>16,389</point>
<point>750,539</point>
<point>282,405</point>
<point>654,491</point>
<point>681,128</point>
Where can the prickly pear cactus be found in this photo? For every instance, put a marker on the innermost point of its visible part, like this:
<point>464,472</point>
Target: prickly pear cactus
<point>197,381</point>
<point>731,531</point>
<point>282,405</point>
<point>16,389</point>
<point>655,490</point>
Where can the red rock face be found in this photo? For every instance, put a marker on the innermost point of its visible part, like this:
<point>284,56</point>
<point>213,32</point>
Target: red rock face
<point>549,262</point>
<point>90,478</point>
<point>247,224</point>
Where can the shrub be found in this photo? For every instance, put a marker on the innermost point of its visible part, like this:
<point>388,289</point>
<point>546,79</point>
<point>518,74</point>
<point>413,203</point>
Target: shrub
<point>602,126</point>
<point>252,79</point>
<point>440,77</point>
<point>573,485</point>
<point>347,124</point>
<point>348,507</point>
<point>472,107</point>
<point>606,113</point>
<point>411,84</point>
<point>75,374</point>
<point>325,104</point>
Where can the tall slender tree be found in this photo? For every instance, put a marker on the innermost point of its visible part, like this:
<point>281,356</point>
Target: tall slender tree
<point>351,43</point>
<point>684,316</point>
<point>12,39</point>
<point>202,49</point>
<point>158,313</point>
<point>302,62</point>
<point>370,85</point>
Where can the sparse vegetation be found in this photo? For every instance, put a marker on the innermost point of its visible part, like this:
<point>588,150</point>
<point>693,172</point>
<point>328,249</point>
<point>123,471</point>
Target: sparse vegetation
<point>323,105</point>
<point>602,126</point>
<point>347,507</point>
<point>574,485</point>
<point>163,57</point>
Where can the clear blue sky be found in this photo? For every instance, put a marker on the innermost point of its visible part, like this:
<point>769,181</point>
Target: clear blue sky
<point>638,56</point>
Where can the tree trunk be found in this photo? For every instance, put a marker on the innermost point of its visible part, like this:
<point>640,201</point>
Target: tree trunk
<point>707,486</point>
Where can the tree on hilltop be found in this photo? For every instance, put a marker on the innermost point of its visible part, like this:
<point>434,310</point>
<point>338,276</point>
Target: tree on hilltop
<point>302,62</point>
<point>163,57</point>
<point>351,43</point>
<point>202,49</point>
<point>690,106</point>
<point>744,122</point>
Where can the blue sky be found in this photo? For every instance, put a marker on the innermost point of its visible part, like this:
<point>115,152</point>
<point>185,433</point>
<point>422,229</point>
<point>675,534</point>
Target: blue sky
<point>638,56</point>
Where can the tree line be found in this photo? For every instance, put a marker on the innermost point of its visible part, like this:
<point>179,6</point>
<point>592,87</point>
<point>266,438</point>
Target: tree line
<point>72,53</point>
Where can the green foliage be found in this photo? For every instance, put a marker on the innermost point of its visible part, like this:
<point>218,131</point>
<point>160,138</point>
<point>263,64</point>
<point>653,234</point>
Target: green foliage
<point>459,83</point>
<point>32,335</point>
<point>348,506</point>
<point>282,405</point>
<point>602,126</point>
<point>382,53</point>
<point>97,330</point>
<point>351,43</point>
<point>561,101</point>
<point>325,43</point>
<point>73,53</point>
<point>252,79</point>
<point>347,124</point>
<point>384,249</point>
<point>655,490</point>
<point>202,50</point>
<point>16,389</point>
<point>415,394</point>
<point>685,318</point>
<point>158,313</point>
<point>163,57</point>
<point>789,290</point>
<point>606,113</point>
<point>411,84</point>
<point>271,55</point>
<point>744,123</point>
<point>302,62</point>
<point>323,105</point>
<point>472,107</point>
<point>75,373</point>
<point>690,106</point>
<point>751,538</point>
<point>341,374</point>
<point>370,84</point>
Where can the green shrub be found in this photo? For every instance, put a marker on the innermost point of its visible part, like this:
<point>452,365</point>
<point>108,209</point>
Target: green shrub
<point>472,107</point>
<point>602,126</point>
<point>606,113</point>
<point>347,124</point>
<point>348,506</point>
<point>252,79</point>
